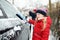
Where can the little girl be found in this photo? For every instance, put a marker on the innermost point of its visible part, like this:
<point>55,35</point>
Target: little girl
<point>41,24</point>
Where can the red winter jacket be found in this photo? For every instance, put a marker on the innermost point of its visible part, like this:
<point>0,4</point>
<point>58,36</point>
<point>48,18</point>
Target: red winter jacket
<point>37,33</point>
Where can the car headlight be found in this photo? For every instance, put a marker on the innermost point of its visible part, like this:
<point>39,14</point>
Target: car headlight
<point>17,28</point>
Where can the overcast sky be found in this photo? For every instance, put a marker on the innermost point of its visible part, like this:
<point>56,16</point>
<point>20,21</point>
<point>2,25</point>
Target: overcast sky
<point>44,2</point>
<point>25,3</point>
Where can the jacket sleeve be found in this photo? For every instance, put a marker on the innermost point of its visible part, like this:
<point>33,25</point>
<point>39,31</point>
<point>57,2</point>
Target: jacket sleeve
<point>31,21</point>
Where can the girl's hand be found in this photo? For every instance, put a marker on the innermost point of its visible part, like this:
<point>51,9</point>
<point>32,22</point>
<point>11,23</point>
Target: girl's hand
<point>29,18</point>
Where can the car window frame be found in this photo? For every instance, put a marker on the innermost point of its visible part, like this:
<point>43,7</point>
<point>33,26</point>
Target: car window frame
<point>3,12</point>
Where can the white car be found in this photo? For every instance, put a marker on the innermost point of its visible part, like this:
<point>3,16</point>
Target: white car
<point>9,20</point>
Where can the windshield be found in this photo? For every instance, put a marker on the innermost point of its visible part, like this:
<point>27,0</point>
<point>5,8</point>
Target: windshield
<point>8,9</point>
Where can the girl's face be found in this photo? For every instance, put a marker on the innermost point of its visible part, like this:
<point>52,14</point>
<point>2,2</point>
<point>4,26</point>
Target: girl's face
<point>39,16</point>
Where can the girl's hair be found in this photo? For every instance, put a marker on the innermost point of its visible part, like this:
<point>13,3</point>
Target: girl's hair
<point>44,22</point>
